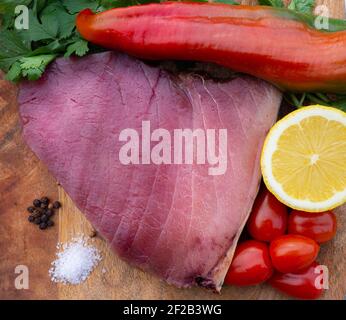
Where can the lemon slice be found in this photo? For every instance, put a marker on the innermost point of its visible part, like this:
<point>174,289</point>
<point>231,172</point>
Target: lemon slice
<point>304,159</point>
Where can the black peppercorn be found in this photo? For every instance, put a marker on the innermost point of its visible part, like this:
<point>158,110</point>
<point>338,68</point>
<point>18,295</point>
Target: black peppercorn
<point>41,212</point>
<point>36,203</point>
<point>56,205</point>
<point>37,213</point>
<point>50,223</point>
<point>49,212</point>
<point>45,200</point>
<point>31,209</point>
<point>43,225</point>
<point>44,205</point>
<point>37,220</point>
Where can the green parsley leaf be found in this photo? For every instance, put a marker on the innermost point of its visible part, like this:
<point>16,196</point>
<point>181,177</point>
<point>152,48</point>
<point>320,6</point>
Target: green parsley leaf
<point>7,6</point>
<point>36,61</point>
<point>272,3</point>
<point>39,5</point>
<point>303,6</point>
<point>33,67</point>
<point>57,46</point>
<point>7,11</point>
<point>79,48</point>
<point>14,73</point>
<point>227,1</point>
<point>12,47</point>
<point>109,4</point>
<point>65,21</point>
<point>48,29</point>
<point>76,6</point>
<point>33,73</point>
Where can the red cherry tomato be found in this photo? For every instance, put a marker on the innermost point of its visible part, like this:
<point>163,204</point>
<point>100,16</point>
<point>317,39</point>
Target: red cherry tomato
<point>268,219</point>
<point>251,264</point>
<point>302,285</point>
<point>318,226</point>
<point>291,253</point>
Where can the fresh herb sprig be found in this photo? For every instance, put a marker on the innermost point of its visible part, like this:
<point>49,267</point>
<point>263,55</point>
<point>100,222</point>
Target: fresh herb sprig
<point>302,6</point>
<point>51,33</point>
<point>26,53</point>
<point>299,100</point>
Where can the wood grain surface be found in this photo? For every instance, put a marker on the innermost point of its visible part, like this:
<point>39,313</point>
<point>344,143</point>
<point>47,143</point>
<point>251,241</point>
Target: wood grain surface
<point>23,177</point>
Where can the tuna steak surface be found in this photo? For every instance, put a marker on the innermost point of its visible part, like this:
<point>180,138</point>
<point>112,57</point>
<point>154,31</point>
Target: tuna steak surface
<point>177,221</point>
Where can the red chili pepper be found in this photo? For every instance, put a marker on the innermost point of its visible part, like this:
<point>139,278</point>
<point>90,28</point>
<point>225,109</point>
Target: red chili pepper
<point>269,43</point>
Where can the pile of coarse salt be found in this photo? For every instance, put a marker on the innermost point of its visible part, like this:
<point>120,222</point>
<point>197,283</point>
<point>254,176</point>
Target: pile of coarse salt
<point>75,261</point>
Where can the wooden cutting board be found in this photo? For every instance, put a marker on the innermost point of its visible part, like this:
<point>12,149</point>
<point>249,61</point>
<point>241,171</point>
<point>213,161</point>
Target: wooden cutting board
<point>23,177</point>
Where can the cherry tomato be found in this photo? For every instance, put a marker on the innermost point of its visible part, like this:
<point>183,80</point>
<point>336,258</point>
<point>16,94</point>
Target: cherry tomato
<point>291,253</point>
<point>251,264</point>
<point>318,226</point>
<point>268,219</point>
<point>302,285</point>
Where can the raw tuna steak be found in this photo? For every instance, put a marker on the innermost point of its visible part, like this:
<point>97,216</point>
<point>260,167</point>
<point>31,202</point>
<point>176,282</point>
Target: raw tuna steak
<point>174,220</point>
